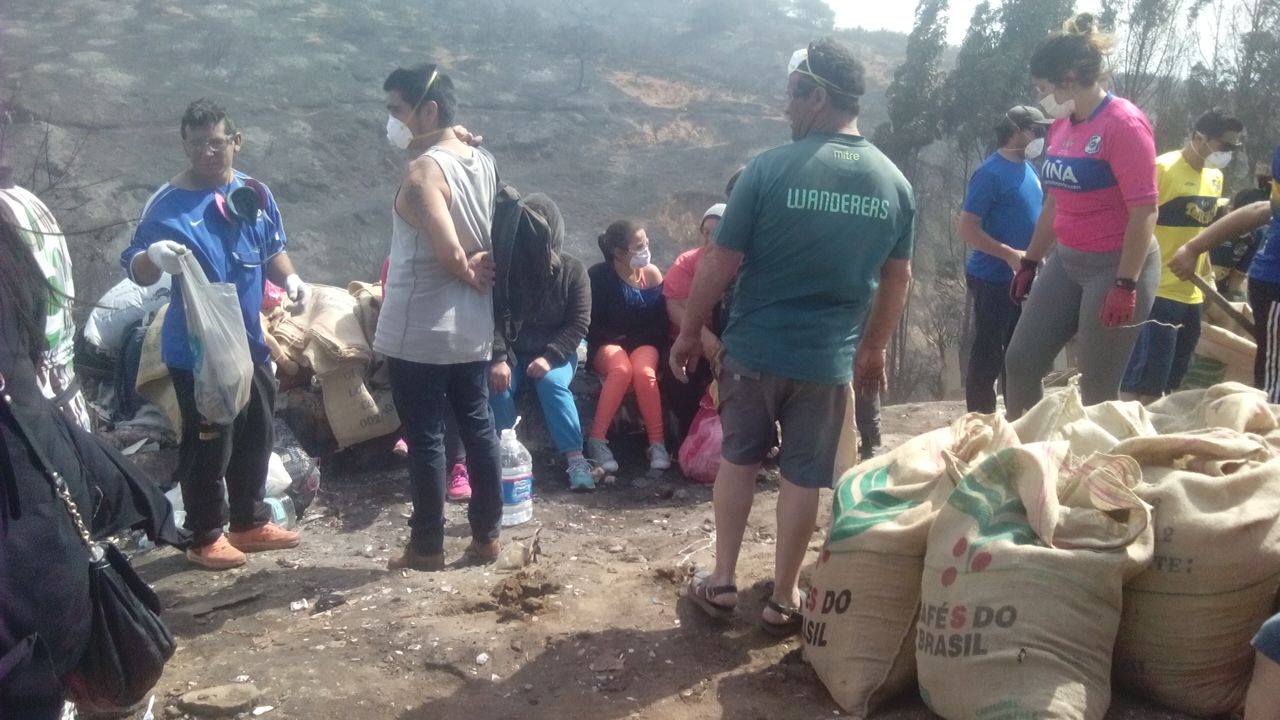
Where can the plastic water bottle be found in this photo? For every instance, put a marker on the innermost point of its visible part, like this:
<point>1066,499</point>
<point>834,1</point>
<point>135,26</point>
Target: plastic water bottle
<point>282,512</point>
<point>517,480</point>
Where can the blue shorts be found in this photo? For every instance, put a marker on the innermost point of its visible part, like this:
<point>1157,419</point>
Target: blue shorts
<point>1267,641</point>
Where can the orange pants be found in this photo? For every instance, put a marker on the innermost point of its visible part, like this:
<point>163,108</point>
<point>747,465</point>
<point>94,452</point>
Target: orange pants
<point>621,372</point>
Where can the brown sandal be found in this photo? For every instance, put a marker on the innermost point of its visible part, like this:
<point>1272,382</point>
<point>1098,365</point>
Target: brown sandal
<point>701,594</point>
<point>792,619</point>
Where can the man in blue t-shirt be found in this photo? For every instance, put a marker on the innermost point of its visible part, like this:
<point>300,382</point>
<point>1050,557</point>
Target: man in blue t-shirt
<point>1264,275</point>
<point>1001,207</point>
<point>230,223</point>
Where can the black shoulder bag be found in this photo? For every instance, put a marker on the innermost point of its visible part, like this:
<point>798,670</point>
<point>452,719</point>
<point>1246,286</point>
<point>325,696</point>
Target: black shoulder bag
<point>128,643</point>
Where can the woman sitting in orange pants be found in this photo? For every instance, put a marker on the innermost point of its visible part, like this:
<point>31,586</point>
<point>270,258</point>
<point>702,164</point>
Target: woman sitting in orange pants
<point>625,340</point>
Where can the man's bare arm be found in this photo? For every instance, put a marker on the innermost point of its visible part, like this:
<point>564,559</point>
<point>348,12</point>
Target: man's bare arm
<point>718,267</point>
<point>424,204</point>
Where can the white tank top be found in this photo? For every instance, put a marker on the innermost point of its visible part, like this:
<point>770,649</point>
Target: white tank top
<point>429,315</point>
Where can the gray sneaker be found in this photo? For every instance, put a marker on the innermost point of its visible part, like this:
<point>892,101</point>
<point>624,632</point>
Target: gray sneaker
<point>598,452</point>
<point>580,479</point>
<point>659,458</point>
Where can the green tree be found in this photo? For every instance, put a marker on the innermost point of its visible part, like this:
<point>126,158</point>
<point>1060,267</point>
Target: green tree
<point>915,94</point>
<point>973,102</point>
<point>814,13</point>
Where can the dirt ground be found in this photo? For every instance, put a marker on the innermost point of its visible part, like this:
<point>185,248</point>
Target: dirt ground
<point>595,628</point>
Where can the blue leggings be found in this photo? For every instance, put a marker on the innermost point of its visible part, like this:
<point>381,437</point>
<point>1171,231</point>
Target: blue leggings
<point>554,396</point>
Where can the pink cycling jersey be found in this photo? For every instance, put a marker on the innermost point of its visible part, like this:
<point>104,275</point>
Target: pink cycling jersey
<point>1096,170</point>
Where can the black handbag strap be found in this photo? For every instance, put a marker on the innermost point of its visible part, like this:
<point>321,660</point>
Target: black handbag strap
<point>51,474</point>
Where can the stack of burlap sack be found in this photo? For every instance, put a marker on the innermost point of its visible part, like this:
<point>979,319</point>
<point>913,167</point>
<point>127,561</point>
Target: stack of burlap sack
<point>333,338</point>
<point>1014,570</point>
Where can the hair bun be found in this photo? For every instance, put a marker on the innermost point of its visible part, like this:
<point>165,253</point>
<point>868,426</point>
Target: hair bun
<point>1082,24</point>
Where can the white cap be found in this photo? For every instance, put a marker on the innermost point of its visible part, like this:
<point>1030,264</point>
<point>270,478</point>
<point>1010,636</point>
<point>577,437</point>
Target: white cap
<point>715,211</point>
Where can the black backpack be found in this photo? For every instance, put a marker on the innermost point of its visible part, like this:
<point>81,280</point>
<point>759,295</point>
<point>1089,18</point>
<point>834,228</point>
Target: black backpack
<point>522,252</point>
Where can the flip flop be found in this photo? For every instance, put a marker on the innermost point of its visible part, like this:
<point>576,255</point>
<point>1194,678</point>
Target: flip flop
<point>701,593</point>
<point>790,625</point>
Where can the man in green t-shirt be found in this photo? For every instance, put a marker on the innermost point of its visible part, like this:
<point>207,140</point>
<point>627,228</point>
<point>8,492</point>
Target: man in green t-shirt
<point>818,233</point>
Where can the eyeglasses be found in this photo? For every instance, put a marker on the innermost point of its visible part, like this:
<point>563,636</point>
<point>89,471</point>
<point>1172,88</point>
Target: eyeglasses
<point>214,144</point>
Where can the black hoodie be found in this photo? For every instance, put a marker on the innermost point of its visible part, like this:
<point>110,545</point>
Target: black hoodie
<point>560,321</point>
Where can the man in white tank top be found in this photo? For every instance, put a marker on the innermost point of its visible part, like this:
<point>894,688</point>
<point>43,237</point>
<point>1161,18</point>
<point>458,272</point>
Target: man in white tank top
<point>436,324</point>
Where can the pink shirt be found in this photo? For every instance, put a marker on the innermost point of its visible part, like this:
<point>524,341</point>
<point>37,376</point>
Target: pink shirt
<point>1096,170</point>
<point>678,281</point>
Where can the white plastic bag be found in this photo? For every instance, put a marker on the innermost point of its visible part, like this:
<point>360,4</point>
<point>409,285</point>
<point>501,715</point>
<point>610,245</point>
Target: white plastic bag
<point>223,368</point>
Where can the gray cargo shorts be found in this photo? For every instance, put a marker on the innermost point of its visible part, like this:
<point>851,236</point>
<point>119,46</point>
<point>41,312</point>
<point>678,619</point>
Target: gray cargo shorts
<point>811,415</point>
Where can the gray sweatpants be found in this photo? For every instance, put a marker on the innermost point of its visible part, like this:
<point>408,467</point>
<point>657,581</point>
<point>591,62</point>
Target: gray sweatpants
<point>1066,301</point>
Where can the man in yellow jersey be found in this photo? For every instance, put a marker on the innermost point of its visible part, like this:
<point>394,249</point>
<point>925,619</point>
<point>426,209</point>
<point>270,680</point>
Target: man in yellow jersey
<point>1190,184</point>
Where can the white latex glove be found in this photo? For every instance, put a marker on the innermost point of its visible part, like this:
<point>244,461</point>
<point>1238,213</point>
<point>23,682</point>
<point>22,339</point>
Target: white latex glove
<point>298,291</point>
<point>166,254</point>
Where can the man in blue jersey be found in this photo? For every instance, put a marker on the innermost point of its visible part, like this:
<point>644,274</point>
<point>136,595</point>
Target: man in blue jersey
<point>1001,207</point>
<point>1264,275</point>
<point>241,242</point>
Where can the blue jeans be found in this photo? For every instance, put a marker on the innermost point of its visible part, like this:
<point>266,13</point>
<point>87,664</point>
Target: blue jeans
<point>421,394</point>
<point>1162,354</point>
<point>558,407</point>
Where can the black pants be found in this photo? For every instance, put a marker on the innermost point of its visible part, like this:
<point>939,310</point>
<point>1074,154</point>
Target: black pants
<point>423,393</point>
<point>994,318</point>
<point>1264,300</point>
<point>455,451</point>
<point>239,452</point>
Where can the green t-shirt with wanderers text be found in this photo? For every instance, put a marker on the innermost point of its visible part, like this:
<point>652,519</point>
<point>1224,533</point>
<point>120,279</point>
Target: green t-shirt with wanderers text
<point>815,221</point>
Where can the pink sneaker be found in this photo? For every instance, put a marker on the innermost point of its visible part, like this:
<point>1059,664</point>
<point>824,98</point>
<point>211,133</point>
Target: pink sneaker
<point>459,483</point>
<point>401,448</point>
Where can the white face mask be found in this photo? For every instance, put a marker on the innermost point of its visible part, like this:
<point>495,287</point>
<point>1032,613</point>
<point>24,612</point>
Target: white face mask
<point>398,134</point>
<point>1055,109</point>
<point>1218,160</point>
<point>640,260</point>
<point>1034,149</point>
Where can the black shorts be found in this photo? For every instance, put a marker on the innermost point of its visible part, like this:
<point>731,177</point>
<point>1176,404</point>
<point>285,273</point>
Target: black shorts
<point>812,416</point>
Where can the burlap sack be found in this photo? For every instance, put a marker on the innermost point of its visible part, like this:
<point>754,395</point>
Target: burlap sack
<point>1062,416</point>
<point>861,604</point>
<point>1232,406</point>
<point>1021,590</point>
<point>368,306</point>
<point>327,333</point>
<point>355,412</point>
<point>1234,351</point>
<point>153,382</point>
<point>1184,636</point>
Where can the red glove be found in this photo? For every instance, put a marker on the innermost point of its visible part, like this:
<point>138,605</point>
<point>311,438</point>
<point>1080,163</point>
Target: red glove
<point>1020,288</point>
<point>1118,308</point>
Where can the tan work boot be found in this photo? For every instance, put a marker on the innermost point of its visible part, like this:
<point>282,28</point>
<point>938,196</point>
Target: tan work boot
<point>268,537</point>
<point>478,553</point>
<point>414,560</point>
<point>217,555</point>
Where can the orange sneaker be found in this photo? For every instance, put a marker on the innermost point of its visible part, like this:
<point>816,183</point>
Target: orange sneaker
<point>268,537</point>
<point>217,555</point>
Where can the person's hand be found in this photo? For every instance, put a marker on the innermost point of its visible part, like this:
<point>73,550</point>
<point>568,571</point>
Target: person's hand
<point>499,377</point>
<point>1118,308</point>
<point>1183,263</point>
<point>467,136</point>
<point>538,369</point>
<point>869,375</point>
<point>299,292</point>
<point>1014,259</point>
<point>684,356</point>
<point>1020,288</point>
<point>167,255</point>
<point>481,272</point>
<point>712,349</point>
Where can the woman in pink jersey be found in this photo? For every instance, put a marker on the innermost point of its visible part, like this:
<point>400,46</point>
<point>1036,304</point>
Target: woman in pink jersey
<point>1099,219</point>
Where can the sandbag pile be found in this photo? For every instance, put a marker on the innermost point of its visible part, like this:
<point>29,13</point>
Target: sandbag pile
<point>332,337</point>
<point>1076,546</point>
<point>861,604</point>
<point>1188,619</point>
